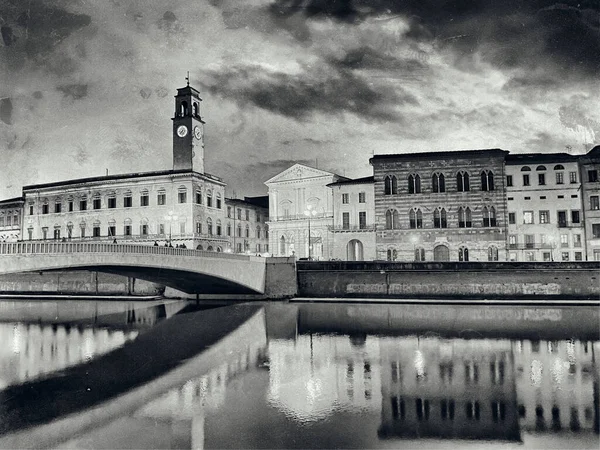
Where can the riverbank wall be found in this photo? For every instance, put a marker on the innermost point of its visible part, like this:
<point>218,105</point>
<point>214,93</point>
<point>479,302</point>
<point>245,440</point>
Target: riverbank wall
<point>516,280</point>
<point>83,282</point>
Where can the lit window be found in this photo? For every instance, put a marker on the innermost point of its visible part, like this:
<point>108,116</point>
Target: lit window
<point>528,217</point>
<point>544,216</point>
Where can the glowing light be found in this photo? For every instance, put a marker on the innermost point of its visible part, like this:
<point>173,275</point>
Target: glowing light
<point>536,372</point>
<point>419,363</point>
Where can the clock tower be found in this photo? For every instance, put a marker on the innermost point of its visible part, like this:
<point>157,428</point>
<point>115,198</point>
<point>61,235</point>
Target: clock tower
<point>188,131</point>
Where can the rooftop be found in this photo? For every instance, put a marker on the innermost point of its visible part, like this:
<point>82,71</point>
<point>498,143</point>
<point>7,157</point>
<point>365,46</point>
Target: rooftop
<point>525,158</point>
<point>117,177</point>
<point>261,201</point>
<point>440,154</point>
<point>364,180</point>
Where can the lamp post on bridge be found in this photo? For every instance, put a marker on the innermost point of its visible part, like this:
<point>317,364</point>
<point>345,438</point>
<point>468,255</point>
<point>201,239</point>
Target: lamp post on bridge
<point>170,217</point>
<point>309,212</point>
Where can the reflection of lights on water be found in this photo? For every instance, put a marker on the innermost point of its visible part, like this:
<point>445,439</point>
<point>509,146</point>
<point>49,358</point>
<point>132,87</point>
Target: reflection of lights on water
<point>314,387</point>
<point>419,363</point>
<point>88,346</point>
<point>16,338</point>
<point>519,346</point>
<point>558,370</point>
<point>571,351</point>
<point>536,372</point>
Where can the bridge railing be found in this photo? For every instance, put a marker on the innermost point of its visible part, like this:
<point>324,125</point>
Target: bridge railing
<point>33,248</point>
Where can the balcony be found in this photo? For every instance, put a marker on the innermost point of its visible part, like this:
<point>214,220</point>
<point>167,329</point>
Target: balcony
<point>530,246</point>
<point>350,228</point>
<point>301,217</point>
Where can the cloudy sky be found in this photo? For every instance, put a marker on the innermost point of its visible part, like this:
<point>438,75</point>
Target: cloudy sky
<point>88,85</point>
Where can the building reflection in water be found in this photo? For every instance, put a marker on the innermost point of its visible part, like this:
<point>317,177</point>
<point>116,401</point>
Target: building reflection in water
<point>38,349</point>
<point>490,389</point>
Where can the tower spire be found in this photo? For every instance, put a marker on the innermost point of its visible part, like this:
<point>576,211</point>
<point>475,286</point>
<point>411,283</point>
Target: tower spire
<point>187,79</point>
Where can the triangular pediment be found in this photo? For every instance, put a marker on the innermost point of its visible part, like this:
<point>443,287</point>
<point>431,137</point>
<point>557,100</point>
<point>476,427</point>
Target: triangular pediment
<point>298,172</point>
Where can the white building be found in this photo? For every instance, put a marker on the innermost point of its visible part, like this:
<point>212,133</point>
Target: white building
<point>11,212</point>
<point>183,205</point>
<point>545,222</point>
<point>300,199</point>
<point>353,229</point>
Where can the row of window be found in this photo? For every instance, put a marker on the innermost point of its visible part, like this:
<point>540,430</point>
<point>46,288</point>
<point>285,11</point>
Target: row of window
<point>246,215</point>
<point>111,201</point>
<point>559,177</point>
<point>438,182</point>
<point>447,409</point>
<point>463,254</point>
<point>144,229</point>
<point>544,217</point>
<point>446,372</point>
<point>10,219</point>
<point>362,220</point>
<point>544,240</point>
<point>440,220</point>
<point>547,256</point>
<point>362,198</point>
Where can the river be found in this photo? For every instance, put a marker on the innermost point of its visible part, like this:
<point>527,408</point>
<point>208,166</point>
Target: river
<point>167,374</point>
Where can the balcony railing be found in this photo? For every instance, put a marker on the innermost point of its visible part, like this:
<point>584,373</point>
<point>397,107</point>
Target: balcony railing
<point>342,228</point>
<point>531,246</point>
<point>301,217</point>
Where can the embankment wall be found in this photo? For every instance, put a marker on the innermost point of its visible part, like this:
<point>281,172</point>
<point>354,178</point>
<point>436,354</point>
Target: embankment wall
<point>449,279</point>
<point>76,283</point>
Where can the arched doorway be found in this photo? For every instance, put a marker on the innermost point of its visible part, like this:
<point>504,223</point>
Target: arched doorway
<point>441,253</point>
<point>282,246</point>
<point>199,247</point>
<point>354,250</point>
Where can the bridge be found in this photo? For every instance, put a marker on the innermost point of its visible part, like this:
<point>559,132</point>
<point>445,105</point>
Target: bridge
<point>187,270</point>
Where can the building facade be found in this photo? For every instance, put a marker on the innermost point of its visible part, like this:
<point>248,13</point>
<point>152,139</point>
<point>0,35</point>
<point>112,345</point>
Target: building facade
<point>11,214</point>
<point>545,221</point>
<point>353,229</point>
<point>589,165</point>
<point>301,212</point>
<point>182,206</point>
<point>246,224</point>
<point>440,206</point>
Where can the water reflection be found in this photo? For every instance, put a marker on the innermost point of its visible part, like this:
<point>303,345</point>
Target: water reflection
<point>39,349</point>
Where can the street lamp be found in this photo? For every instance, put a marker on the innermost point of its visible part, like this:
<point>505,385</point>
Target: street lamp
<point>309,212</point>
<point>170,218</point>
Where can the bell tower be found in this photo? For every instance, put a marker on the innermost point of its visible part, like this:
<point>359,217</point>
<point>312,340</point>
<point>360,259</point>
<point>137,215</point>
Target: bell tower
<point>188,131</point>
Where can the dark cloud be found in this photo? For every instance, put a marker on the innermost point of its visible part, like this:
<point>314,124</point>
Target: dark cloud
<point>8,37</point>
<point>299,95</point>
<point>564,35</point>
<point>6,108</point>
<point>368,58</point>
<point>543,143</point>
<point>75,91</point>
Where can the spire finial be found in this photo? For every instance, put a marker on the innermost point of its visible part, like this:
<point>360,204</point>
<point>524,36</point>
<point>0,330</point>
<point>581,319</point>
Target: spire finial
<point>187,79</point>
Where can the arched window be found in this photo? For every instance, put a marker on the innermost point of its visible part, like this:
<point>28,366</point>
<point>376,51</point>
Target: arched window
<point>247,230</point>
<point>199,196</point>
<point>218,228</point>
<point>391,219</point>
<point>559,167</point>
<point>463,254</point>
<point>392,254</point>
<point>464,217</point>
<point>489,216</point>
<point>228,229</point>
<point>199,247</point>
<point>414,184</point>
<point>209,248</point>
<point>487,180</point>
<point>218,205</point>
<point>209,198</point>
<point>282,246</point>
<point>184,109</point>
<point>258,232</point>
<point>390,185</point>
<point>209,225</point>
<point>182,194</point>
<point>539,168</point>
<point>438,183</point>
<point>525,169</point>
<point>196,109</point>
<point>415,218</point>
<point>239,230</point>
<point>462,181</point>
<point>419,254</point>
<point>493,253</point>
<point>219,249</point>
<point>439,218</point>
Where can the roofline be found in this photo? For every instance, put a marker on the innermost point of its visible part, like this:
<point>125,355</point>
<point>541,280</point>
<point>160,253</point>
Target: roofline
<point>122,177</point>
<point>305,165</point>
<point>540,157</point>
<point>363,180</point>
<point>8,201</point>
<point>245,202</point>
<point>438,154</point>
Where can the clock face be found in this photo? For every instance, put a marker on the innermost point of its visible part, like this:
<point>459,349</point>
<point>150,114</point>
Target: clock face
<point>197,132</point>
<point>182,131</point>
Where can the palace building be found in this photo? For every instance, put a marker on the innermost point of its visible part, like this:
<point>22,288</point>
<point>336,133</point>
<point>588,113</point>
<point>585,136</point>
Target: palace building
<point>589,165</point>
<point>181,206</point>
<point>440,206</point>
<point>11,211</point>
